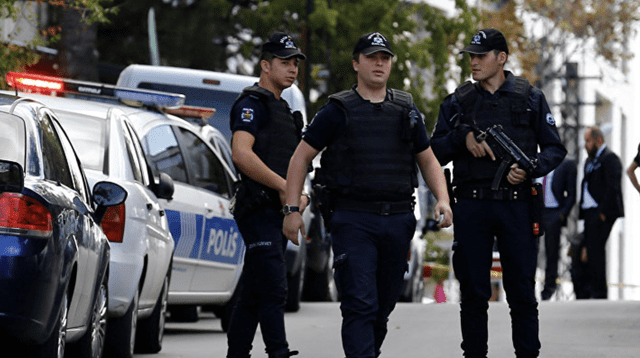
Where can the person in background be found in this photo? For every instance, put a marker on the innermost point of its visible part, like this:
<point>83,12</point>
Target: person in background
<point>373,136</point>
<point>265,134</point>
<point>600,205</point>
<point>559,190</point>
<point>494,196</point>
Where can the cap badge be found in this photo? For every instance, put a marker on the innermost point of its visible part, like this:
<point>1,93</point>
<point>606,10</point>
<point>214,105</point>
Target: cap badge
<point>477,38</point>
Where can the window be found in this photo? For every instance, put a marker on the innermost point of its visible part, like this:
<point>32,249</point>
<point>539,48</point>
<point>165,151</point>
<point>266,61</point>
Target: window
<point>164,154</point>
<point>55,162</point>
<point>204,166</point>
<point>134,160</point>
<point>77,175</point>
<point>139,154</point>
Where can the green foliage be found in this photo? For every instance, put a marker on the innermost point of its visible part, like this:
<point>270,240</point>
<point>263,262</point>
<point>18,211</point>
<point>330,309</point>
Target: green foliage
<point>437,254</point>
<point>16,58</point>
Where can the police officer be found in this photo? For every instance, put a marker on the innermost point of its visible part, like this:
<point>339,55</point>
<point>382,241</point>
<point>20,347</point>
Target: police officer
<point>265,134</point>
<point>493,195</point>
<point>373,138</point>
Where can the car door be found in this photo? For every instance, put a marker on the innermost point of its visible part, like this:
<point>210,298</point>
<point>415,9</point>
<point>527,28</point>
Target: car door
<point>222,248</point>
<point>185,212</point>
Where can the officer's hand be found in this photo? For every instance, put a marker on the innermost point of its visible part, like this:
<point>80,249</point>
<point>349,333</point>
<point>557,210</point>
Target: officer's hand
<point>516,175</point>
<point>444,210</point>
<point>478,149</point>
<point>291,225</point>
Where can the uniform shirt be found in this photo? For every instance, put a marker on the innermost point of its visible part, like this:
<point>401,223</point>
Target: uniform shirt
<point>449,141</point>
<point>330,123</point>
<point>249,115</point>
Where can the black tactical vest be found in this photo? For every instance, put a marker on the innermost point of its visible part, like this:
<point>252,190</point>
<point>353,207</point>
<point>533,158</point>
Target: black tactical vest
<point>374,158</point>
<point>508,109</point>
<point>275,142</point>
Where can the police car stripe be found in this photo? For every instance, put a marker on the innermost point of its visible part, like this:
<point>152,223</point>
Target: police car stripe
<point>188,234</point>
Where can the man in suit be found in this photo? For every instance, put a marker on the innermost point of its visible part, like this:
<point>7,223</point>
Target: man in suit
<point>559,188</point>
<point>600,206</point>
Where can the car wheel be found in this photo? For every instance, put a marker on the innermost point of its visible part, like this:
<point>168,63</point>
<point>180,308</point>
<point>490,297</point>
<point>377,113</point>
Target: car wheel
<point>151,330</point>
<point>321,286</point>
<point>295,284</point>
<point>183,313</point>
<point>55,345</point>
<point>92,343</point>
<point>121,333</point>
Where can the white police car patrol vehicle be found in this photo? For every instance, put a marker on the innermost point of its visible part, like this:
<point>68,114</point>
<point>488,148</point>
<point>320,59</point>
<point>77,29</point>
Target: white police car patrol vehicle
<point>209,97</point>
<point>137,230</point>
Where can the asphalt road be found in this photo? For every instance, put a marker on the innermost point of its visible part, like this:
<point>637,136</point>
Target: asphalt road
<point>573,329</point>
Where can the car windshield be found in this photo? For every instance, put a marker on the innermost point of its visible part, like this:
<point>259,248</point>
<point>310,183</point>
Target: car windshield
<point>88,136</point>
<point>12,137</point>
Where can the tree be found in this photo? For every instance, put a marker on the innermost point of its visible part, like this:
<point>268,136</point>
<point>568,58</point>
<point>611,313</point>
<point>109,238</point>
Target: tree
<point>15,57</point>
<point>561,29</point>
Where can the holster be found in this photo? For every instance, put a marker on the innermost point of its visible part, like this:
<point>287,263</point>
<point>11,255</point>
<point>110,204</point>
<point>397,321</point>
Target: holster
<point>250,197</point>
<point>326,203</point>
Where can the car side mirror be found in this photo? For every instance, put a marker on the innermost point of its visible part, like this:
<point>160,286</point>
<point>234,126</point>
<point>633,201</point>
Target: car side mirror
<point>105,195</point>
<point>165,188</point>
<point>11,177</point>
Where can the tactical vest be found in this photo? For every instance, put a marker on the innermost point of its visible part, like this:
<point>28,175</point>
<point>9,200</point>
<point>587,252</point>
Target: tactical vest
<point>508,109</point>
<point>278,139</point>
<point>374,158</point>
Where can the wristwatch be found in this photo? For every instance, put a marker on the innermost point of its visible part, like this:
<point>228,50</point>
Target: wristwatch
<point>288,209</point>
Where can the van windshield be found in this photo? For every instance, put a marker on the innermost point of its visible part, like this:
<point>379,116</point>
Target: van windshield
<point>200,97</point>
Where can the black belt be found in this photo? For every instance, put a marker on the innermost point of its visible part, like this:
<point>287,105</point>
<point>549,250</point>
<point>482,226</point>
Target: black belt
<point>506,194</point>
<point>376,207</point>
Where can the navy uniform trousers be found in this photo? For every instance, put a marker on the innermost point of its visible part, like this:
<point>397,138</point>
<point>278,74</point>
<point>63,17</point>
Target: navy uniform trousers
<point>477,223</point>
<point>262,288</point>
<point>370,259</point>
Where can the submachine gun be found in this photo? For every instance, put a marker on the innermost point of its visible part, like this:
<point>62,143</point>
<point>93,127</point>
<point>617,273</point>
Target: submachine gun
<point>515,154</point>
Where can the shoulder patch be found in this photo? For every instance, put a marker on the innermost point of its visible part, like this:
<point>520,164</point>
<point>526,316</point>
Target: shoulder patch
<point>247,114</point>
<point>550,119</point>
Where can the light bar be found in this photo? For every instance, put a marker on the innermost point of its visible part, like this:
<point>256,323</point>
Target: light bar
<point>55,86</point>
<point>192,111</point>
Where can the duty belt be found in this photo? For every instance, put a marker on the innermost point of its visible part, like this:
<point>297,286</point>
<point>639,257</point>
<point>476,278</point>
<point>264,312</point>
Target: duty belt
<point>376,207</point>
<point>505,194</point>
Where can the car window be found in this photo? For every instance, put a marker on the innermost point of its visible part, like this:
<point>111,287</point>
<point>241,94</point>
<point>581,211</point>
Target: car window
<point>55,164</point>
<point>12,137</point>
<point>89,136</point>
<point>164,154</point>
<point>134,161</point>
<point>80,184</point>
<point>139,154</point>
<point>204,166</point>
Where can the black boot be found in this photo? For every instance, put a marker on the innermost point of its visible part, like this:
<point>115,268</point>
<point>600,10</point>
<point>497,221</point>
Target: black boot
<point>283,354</point>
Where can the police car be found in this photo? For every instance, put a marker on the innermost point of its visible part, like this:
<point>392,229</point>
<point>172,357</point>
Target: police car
<point>209,97</point>
<point>138,231</point>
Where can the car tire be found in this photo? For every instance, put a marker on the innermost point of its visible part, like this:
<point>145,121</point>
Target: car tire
<point>56,344</point>
<point>150,331</point>
<point>183,313</point>
<point>295,283</point>
<point>121,332</point>
<point>321,286</point>
<point>92,343</point>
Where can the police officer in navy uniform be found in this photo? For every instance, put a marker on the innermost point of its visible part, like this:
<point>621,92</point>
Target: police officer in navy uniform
<point>265,134</point>
<point>491,203</point>
<point>373,136</point>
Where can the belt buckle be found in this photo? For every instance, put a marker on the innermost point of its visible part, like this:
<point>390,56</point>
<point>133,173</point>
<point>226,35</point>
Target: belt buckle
<point>385,208</point>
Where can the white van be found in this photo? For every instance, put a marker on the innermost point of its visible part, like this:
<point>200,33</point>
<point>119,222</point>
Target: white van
<point>203,88</point>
